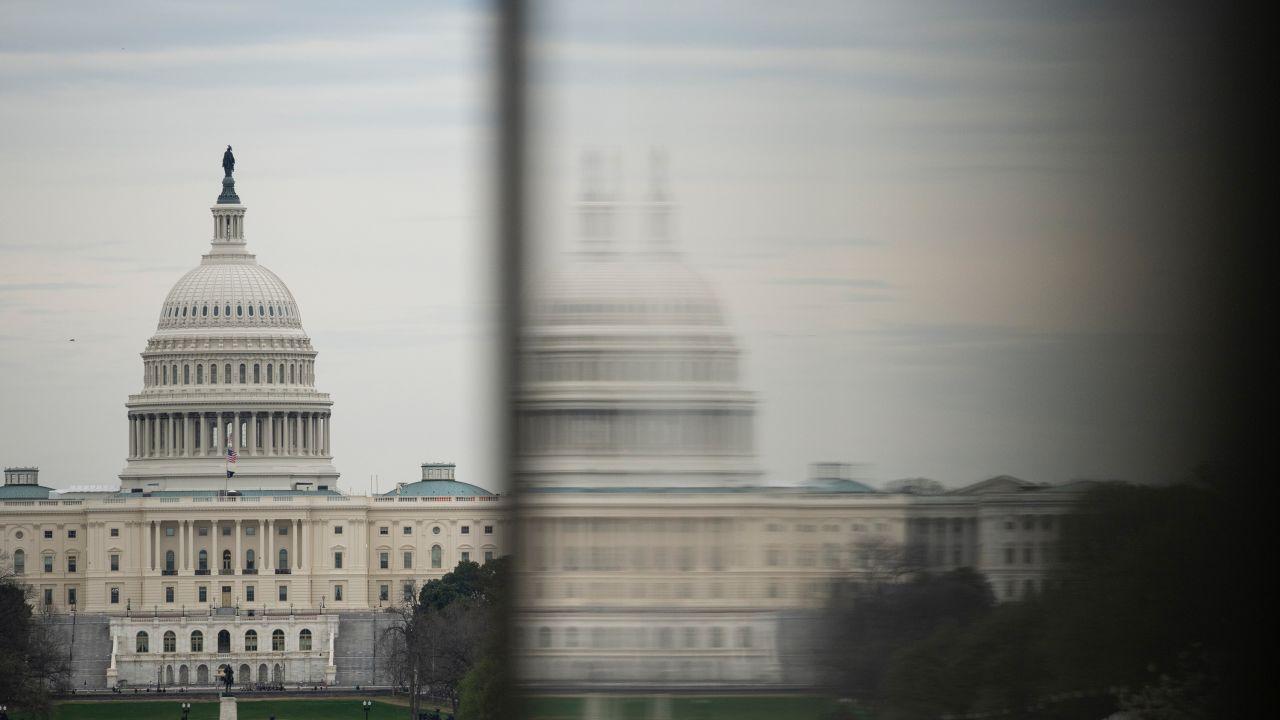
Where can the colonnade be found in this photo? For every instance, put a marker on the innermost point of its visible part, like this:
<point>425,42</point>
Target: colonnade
<point>250,433</point>
<point>268,543</point>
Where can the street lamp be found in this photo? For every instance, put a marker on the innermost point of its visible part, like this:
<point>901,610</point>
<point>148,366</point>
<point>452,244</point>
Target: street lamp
<point>366,705</point>
<point>186,708</point>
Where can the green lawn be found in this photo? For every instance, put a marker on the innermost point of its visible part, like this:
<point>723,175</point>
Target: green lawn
<point>345,709</point>
<point>764,707</point>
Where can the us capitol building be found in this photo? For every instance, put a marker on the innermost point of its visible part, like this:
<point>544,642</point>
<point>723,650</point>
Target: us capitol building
<point>652,551</point>
<point>272,571</point>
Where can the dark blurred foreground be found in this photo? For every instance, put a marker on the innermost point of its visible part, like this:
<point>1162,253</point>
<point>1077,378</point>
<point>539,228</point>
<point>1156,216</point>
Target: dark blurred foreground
<point>1142,617</point>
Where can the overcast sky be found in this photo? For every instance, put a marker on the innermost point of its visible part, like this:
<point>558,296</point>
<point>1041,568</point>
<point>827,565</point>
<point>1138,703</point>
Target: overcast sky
<point>955,241</point>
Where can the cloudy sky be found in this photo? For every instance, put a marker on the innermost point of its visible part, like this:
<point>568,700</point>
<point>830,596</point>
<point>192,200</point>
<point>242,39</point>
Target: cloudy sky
<point>955,240</point>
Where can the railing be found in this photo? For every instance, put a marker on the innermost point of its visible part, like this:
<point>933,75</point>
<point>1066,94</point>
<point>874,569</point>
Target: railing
<point>283,571</point>
<point>249,571</point>
<point>226,571</point>
<point>168,572</point>
<point>205,571</point>
<point>282,498</point>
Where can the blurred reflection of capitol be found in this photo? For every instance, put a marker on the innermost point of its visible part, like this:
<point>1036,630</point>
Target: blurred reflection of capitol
<point>654,551</point>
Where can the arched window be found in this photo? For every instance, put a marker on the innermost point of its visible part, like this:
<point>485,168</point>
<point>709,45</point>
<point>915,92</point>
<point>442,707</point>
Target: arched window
<point>437,556</point>
<point>241,373</point>
<point>213,374</point>
<point>291,374</point>
<point>284,559</point>
<point>226,373</point>
<point>168,560</point>
<point>173,374</point>
<point>260,313</point>
<point>164,375</point>
<point>251,640</point>
<point>228,308</point>
<point>170,641</point>
<point>239,311</point>
<point>226,559</point>
<point>142,643</point>
<point>250,311</point>
<point>272,310</point>
<point>304,639</point>
<point>204,311</point>
<point>115,596</point>
<point>270,373</point>
<point>256,374</point>
<point>224,641</point>
<point>277,640</point>
<point>249,559</point>
<point>199,374</point>
<point>215,311</point>
<point>204,559</point>
<point>197,641</point>
<point>184,311</point>
<point>186,374</point>
<point>202,674</point>
<point>19,562</point>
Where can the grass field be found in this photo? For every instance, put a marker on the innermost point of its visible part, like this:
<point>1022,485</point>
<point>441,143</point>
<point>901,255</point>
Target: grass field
<point>766,707</point>
<point>248,710</point>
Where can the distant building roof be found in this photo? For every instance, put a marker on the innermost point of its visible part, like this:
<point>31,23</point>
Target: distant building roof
<point>216,493</point>
<point>439,488</point>
<point>836,485</point>
<point>24,492</point>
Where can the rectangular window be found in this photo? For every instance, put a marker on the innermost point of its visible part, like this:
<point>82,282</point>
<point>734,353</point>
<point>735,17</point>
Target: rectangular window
<point>169,531</point>
<point>337,593</point>
<point>337,560</point>
<point>488,555</point>
<point>466,529</point>
<point>249,593</point>
<point>408,530</point>
<point>384,592</point>
<point>488,529</point>
<point>71,596</point>
<point>71,563</point>
<point>48,563</point>
<point>48,534</point>
<point>115,532</point>
<point>408,561</point>
<point>202,532</point>
<point>71,534</point>
<point>408,592</point>
<point>383,561</point>
<point>284,529</point>
<point>48,596</point>
<point>384,530</point>
<point>115,562</point>
<point>466,556</point>
<point>284,593</point>
<point>251,530</point>
<point>168,594</point>
<point>115,596</point>
<point>226,531</point>
<point>337,529</point>
<point>202,593</point>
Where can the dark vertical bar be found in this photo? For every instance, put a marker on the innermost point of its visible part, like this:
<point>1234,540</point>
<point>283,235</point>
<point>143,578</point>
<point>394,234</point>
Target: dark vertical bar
<point>509,180</point>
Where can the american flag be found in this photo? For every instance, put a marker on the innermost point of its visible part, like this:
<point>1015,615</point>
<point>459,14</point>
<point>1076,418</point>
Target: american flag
<point>231,454</point>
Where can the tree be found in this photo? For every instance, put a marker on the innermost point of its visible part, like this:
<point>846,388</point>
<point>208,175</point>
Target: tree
<point>454,625</point>
<point>31,661</point>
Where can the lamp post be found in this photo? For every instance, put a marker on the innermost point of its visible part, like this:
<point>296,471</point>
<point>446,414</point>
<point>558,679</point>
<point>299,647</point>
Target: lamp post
<point>186,708</point>
<point>366,705</point>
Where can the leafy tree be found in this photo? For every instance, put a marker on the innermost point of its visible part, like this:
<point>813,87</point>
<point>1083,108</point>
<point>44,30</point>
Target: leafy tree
<point>31,662</point>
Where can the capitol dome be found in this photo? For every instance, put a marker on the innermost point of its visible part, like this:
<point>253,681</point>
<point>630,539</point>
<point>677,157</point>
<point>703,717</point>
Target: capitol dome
<point>651,289</point>
<point>229,398</point>
<point>223,294</point>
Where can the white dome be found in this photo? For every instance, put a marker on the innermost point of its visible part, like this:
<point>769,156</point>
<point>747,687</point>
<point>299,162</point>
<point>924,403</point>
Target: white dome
<point>649,290</point>
<point>236,294</point>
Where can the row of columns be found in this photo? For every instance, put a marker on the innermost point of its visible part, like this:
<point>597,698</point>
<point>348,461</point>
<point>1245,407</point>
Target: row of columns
<point>266,560</point>
<point>251,434</point>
